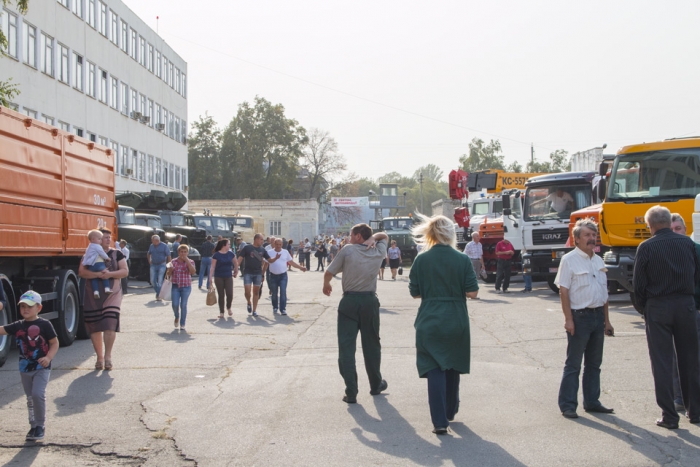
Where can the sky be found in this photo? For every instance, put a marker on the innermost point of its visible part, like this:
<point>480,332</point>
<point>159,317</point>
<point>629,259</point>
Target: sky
<point>402,84</point>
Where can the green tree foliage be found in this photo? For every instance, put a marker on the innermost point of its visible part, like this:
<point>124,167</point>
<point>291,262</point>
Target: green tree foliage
<point>515,167</point>
<point>8,90</point>
<point>431,171</point>
<point>558,162</point>
<point>260,152</point>
<point>482,156</point>
<point>204,159</point>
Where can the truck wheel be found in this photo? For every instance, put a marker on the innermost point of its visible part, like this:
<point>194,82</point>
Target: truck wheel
<point>552,285</point>
<point>634,303</point>
<point>66,324</point>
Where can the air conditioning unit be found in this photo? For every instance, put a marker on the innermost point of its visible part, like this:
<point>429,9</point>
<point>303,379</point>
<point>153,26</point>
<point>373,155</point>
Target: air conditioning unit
<point>146,120</point>
<point>184,140</point>
<point>129,171</point>
<point>136,115</point>
<point>160,126</point>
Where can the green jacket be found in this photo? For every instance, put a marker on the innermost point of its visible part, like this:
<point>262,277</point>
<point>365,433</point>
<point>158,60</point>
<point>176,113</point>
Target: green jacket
<point>441,277</point>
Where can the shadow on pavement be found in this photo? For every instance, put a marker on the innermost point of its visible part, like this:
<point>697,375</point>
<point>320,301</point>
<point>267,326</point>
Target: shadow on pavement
<point>176,336</point>
<point>656,447</point>
<point>387,312</point>
<point>89,389</point>
<point>26,455</point>
<point>224,323</point>
<point>399,439</point>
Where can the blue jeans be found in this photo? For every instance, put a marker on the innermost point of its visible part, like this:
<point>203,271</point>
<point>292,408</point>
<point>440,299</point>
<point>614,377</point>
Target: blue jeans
<point>279,281</point>
<point>204,268</point>
<point>97,267</point>
<point>586,344</point>
<point>443,396</point>
<point>157,274</point>
<point>180,295</point>
<point>528,282</point>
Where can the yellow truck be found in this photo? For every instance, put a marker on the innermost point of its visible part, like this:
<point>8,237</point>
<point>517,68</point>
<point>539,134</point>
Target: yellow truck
<point>642,176</point>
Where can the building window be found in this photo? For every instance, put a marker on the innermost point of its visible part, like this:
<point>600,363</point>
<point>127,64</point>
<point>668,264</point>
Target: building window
<point>171,75</point>
<point>77,8</point>
<point>177,129</point>
<point>115,151</point>
<point>172,125</point>
<point>78,131</point>
<point>91,79</point>
<point>124,161</point>
<point>142,104</point>
<point>133,44</point>
<point>142,51</point>
<point>149,62</point>
<point>124,40</point>
<point>184,86</point>
<point>114,31</point>
<point>103,141</point>
<point>47,119</point>
<point>158,115</point>
<point>91,13</point>
<point>92,137</point>
<point>165,69</point>
<point>8,25</point>
<point>47,54</point>
<point>63,2</point>
<point>150,169</point>
<point>149,112</point>
<point>125,99</point>
<point>134,162</point>
<point>63,125</point>
<point>29,33</point>
<point>103,86</point>
<point>63,63</point>
<point>177,80</point>
<point>184,178</point>
<point>134,101</point>
<point>159,64</point>
<point>102,25</point>
<point>142,167</point>
<point>177,177</point>
<point>159,171</point>
<point>171,171</point>
<point>30,113</point>
<point>114,93</point>
<point>78,71</point>
<point>184,132</point>
<point>275,228</point>
<point>166,122</point>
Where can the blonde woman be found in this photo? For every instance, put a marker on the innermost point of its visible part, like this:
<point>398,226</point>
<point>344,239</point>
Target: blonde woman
<point>442,278</point>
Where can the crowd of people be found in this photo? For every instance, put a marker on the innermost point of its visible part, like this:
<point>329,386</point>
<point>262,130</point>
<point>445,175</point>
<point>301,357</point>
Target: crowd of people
<point>666,281</point>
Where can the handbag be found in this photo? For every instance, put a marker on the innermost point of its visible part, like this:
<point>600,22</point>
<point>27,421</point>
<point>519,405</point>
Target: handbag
<point>166,290</point>
<point>400,270</point>
<point>211,297</point>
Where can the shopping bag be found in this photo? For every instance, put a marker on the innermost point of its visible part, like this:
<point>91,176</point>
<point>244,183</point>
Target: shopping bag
<point>166,290</point>
<point>211,297</point>
<point>400,270</point>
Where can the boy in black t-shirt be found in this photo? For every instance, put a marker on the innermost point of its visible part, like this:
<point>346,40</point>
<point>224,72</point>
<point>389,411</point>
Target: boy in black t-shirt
<point>37,344</point>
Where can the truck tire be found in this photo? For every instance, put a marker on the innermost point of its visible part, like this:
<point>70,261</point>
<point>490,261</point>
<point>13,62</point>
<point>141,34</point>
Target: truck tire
<point>634,304</point>
<point>552,285</point>
<point>66,325</point>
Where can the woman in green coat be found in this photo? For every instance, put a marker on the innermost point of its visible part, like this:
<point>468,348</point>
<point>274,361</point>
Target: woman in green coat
<point>442,278</point>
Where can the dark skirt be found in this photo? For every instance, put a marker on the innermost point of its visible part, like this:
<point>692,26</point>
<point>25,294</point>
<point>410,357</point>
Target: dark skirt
<point>394,263</point>
<point>383,264</point>
<point>102,314</point>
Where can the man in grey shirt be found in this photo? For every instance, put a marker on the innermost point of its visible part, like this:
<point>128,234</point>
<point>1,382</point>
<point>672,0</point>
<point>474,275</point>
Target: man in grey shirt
<point>358,310</point>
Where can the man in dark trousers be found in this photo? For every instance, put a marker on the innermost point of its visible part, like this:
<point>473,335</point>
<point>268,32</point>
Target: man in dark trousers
<point>358,310</point>
<point>666,270</point>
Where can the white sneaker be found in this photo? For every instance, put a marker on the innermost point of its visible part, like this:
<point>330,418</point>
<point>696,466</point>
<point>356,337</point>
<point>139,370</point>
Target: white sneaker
<point>96,295</point>
<point>108,290</point>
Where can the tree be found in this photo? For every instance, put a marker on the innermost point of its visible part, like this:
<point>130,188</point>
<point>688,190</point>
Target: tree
<point>515,167</point>
<point>322,161</point>
<point>8,90</point>
<point>260,152</point>
<point>430,171</point>
<point>204,159</point>
<point>482,156</point>
<point>558,162</point>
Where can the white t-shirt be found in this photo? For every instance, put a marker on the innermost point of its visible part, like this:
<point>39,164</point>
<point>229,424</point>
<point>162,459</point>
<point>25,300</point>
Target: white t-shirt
<point>279,266</point>
<point>585,277</point>
<point>559,204</point>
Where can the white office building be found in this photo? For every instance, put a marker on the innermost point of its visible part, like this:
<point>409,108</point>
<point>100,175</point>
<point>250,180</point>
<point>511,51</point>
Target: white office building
<point>94,68</point>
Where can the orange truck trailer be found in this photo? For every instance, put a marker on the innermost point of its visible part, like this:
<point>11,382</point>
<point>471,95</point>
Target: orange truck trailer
<point>54,188</point>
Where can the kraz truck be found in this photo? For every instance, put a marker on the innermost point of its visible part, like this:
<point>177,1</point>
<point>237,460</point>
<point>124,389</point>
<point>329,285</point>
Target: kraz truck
<point>54,188</point>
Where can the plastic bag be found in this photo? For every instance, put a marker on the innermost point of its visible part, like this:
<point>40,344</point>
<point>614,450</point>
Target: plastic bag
<point>166,290</point>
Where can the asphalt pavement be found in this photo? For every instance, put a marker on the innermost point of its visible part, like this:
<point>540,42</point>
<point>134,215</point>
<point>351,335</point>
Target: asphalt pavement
<point>266,391</point>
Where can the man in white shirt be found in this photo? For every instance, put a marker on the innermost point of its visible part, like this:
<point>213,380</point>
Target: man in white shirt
<point>560,201</point>
<point>584,299</point>
<point>278,277</point>
<point>475,251</point>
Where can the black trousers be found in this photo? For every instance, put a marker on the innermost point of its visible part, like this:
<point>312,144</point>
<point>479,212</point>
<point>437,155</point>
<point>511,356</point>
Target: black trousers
<point>671,328</point>
<point>503,273</point>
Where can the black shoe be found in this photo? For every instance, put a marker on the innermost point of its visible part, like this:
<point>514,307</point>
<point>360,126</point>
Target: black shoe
<point>350,400</point>
<point>679,406</point>
<point>570,414</point>
<point>693,420</point>
<point>600,409</point>
<point>664,424</point>
<point>30,433</point>
<point>382,387</point>
<point>440,431</point>
<point>38,433</point>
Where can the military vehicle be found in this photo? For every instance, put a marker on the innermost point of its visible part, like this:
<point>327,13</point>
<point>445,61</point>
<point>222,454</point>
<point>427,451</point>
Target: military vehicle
<point>398,228</point>
<point>151,220</point>
<point>138,239</point>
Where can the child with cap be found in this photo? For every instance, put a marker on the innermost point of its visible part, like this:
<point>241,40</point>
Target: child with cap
<point>96,260</point>
<point>37,344</point>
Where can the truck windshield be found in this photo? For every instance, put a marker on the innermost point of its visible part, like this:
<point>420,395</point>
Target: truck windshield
<point>172,219</point>
<point>555,201</point>
<point>658,174</point>
<point>398,224</point>
<point>149,222</point>
<point>127,217</point>
<point>242,222</point>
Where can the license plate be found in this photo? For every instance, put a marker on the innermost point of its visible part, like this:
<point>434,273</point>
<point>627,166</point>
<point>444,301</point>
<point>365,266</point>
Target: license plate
<point>553,269</point>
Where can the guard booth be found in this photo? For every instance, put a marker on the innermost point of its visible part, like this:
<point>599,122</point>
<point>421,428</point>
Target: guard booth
<point>387,198</point>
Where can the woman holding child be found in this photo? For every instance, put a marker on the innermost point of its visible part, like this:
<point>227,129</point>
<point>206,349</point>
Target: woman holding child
<point>102,314</point>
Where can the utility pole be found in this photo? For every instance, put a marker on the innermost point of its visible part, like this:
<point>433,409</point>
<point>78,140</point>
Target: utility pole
<point>420,180</point>
<point>532,153</point>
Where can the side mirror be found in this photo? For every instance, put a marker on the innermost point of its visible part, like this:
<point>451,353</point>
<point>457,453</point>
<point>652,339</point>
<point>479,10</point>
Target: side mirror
<point>602,189</point>
<point>603,169</point>
<point>506,203</point>
<point>506,212</point>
